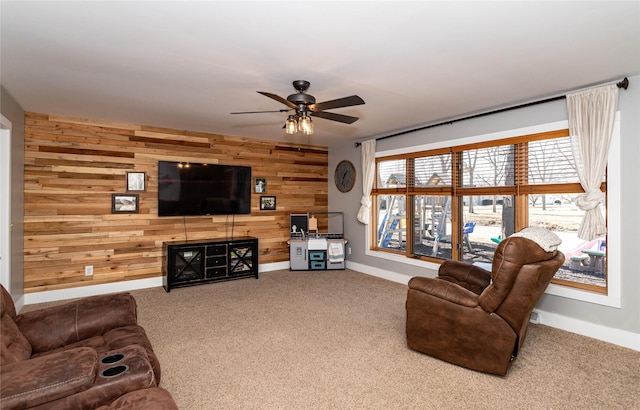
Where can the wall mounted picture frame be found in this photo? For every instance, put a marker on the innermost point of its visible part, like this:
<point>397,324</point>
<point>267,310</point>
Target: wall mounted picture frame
<point>136,181</point>
<point>124,203</point>
<point>267,203</point>
<point>260,186</point>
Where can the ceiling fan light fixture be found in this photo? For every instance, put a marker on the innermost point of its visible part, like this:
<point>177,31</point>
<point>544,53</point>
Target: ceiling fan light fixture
<point>305,125</point>
<point>305,104</point>
<point>291,126</point>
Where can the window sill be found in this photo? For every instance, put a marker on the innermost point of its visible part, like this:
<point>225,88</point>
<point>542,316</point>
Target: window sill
<point>403,259</point>
<point>552,289</point>
<point>583,295</point>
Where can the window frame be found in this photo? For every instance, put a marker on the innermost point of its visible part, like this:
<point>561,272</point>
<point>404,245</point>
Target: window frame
<point>611,295</point>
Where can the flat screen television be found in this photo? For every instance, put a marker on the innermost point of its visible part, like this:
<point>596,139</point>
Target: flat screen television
<point>188,189</point>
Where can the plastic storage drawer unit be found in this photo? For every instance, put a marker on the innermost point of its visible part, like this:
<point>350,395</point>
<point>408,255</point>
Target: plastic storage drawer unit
<point>316,255</point>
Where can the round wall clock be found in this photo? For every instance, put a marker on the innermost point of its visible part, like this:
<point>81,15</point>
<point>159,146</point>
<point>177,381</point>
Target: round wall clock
<point>345,176</point>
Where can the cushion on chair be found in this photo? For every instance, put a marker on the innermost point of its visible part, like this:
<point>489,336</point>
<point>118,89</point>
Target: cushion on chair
<point>471,277</point>
<point>34,382</point>
<point>56,326</point>
<point>546,239</point>
<point>444,290</point>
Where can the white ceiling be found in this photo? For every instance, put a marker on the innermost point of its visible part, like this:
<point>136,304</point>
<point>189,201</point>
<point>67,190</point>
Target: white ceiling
<point>188,65</point>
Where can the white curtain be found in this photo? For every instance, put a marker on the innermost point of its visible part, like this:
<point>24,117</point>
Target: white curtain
<point>591,116</point>
<point>368,155</point>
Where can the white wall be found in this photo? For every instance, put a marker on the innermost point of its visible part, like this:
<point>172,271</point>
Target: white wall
<point>617,325</point>
<point>15,114</point>
<point>5,202</point>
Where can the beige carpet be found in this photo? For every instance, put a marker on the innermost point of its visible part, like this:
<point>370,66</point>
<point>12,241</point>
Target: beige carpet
<point>335,340</point>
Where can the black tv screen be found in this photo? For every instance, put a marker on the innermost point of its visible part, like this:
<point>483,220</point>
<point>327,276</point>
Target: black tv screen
<point>203,189</point>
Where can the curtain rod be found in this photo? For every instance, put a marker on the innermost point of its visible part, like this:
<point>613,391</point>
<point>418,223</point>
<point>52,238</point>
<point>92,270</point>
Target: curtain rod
<point>622,84</point>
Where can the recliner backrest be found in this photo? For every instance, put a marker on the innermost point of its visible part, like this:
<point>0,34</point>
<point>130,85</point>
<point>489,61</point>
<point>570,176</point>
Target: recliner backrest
<point>14,346</point>
<point>508,260</point>
<point>528,288</point>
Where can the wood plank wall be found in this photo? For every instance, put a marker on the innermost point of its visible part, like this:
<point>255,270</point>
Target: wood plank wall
<point>73,166</point>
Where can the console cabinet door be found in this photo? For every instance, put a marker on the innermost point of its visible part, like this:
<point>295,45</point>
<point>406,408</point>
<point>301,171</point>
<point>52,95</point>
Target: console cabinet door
<point>187,264</point>
<point>298,255</point>
<point>241,257</point>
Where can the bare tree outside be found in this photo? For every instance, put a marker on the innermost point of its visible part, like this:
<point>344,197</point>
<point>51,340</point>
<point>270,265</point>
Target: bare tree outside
<point>550,162</point>
<point>470,164</point>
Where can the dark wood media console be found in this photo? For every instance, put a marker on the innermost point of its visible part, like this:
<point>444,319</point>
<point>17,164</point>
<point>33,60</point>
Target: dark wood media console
<point>188,263</point>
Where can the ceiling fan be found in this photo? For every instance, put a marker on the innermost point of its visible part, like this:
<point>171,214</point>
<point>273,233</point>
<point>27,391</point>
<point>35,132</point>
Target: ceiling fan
<point>305,107</point>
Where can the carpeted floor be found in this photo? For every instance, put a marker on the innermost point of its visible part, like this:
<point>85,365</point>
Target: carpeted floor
<point>335,340</point>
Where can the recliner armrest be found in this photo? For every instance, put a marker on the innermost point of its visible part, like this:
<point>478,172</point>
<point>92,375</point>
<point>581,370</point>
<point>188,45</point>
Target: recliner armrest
<point>33,382</point>
<point>469,276</point>
<point>444,290</point>
<point>61,325</point>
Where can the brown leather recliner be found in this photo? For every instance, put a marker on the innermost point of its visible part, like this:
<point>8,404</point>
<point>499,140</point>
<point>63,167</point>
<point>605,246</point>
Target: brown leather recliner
<point>79,355</point>
<point>475,318</point>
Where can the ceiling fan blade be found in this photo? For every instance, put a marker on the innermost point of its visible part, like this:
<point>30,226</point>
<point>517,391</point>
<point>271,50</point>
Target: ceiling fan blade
<point>279,99</point>
<point>346,119</point>
<point>339,103</point>
<point>259,112</point>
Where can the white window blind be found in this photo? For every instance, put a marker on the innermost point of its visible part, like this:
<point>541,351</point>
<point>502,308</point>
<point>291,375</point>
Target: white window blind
<point>431,171</point>
<point>392,173</point>
<point>488,167</point>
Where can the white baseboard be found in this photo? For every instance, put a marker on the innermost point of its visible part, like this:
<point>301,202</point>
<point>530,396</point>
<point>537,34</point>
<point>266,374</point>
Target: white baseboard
<point>606,334</point>
<point>610,335</point>
<point>125,286</point>
<point>84,291</point>
<point>268,267</point>
<point>379,273</point>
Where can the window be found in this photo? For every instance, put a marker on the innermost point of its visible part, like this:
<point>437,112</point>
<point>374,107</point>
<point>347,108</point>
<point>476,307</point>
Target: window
<point>459,202</point>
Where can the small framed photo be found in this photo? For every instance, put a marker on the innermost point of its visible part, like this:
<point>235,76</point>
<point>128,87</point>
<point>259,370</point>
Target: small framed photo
<point>260,186</point>
<point>124,203</point>
<point>136,181</point>
<point>267,203</point>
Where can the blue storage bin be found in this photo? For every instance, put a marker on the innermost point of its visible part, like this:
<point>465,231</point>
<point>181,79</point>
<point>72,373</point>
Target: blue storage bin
<point>316,255</point>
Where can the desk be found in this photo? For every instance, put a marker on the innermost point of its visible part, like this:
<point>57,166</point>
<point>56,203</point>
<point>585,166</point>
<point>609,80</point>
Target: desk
<point>596,259</point>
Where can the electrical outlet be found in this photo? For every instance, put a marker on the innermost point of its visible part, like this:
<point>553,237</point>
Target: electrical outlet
<point>534,317</point>
<point>88,270</point>
<point>349,250</point>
